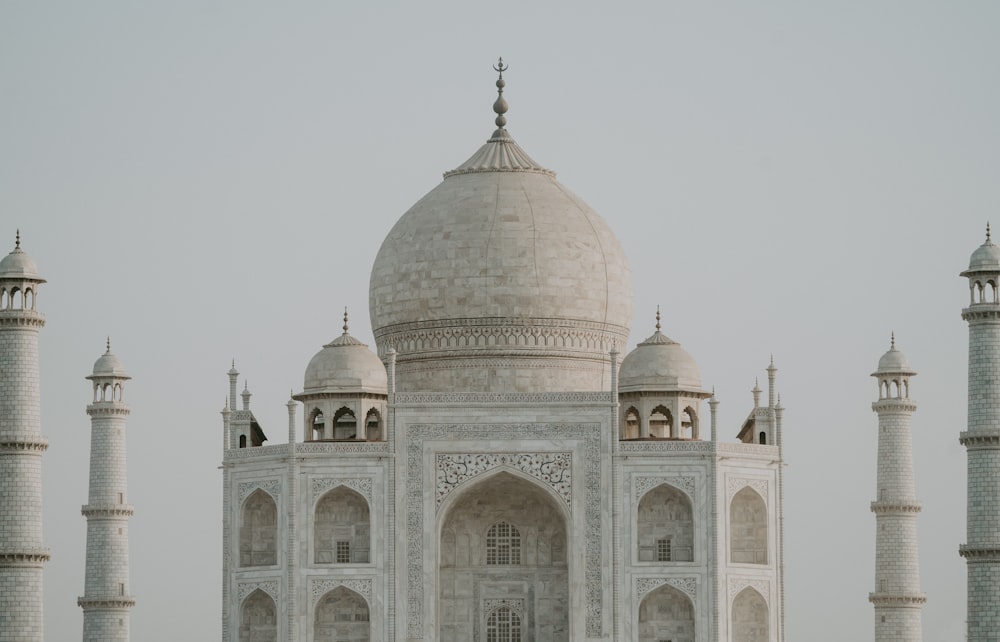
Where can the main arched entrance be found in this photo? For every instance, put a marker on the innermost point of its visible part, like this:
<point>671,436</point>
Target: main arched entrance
<point>502,574</point>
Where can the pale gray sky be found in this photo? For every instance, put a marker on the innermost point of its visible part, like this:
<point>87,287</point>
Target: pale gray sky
<point>205,181</point>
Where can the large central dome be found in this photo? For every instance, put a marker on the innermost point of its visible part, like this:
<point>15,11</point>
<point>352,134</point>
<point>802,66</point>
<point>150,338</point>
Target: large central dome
<point>500,279</point>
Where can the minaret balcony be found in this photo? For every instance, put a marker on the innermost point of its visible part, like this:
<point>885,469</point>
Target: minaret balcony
<point>897,599</point>
<point>980,553</point>
<point>988,439</point>
<point>898,507</point>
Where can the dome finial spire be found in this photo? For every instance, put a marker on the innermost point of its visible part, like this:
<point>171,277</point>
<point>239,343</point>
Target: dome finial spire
<point>657,318</point>
<point>345,319</point>
<point>17,239</point>
<point>108,345</point>
<point>892,341</point>
<point>500,106</point>
<point>987,231</point>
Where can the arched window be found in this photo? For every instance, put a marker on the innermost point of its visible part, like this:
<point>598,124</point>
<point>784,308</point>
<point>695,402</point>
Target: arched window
<point>316,425</point>
<point>689,423</point>
<point>243,441</point>
<point>342,614</point>
<point>748,528</point>
<point>258,530</point>
<point>666,614</point>
<point>750,617</point>
<point>345,424</point>
<point>763,438</point>
<point>15,299</point>
<point>373,426</point>
<point>29,299</point>
<point>665,526</point>
<point>4,300</point>
<point>631,423</point>
<point>258,618</point>
<point>661,422</point>
<point>503,545</point>
<point>341,528</point>
<point>503,625</point>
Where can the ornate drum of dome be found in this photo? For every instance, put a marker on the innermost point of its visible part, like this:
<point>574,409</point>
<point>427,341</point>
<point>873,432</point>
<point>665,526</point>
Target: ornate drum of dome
<point>501,280</point>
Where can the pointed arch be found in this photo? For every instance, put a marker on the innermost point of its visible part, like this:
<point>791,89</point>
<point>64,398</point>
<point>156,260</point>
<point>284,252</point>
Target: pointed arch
<point>342,614</point>
<point>632,423</point>
<point>661,422</point>
<point>258,618</point>
<point>665,526</point>
<point>748,527</point>
<point>666,614</point>
<point>750,617</point>
<point>4,299</point>
<point>29,299</point>
<point>345,424</point>
<point>317,425</point>
<point>258,530</point>
<point>341,528</point>
<point>503,624</point>
<point>689,423</point>
<point>16,300</point>
<point>373,425</point>
<point>502,504</point>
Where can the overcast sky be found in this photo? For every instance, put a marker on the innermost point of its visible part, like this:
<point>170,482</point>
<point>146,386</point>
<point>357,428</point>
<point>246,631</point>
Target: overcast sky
<point>204,181</point>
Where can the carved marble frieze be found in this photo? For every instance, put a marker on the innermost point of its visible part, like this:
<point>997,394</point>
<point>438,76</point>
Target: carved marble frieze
<point>687,585</point>
<point>270,486</point>
<point>552,469</point>
<point>762,586</point>
<point>683,482</point>
<point>320,587</point>
<point>736,484</point>
<point>362,484</point>
<point>268,586</point>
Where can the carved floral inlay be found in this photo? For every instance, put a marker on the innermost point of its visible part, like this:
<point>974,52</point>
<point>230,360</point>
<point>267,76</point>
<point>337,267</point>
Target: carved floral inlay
<point>515,605</point>
<point>319,588</point>
<point>246,588</point>
<point>553,469</point>
<point>362,485</point>
<point>644,484</point>
<point>737,584</point>
<point>270,486</point>
<point>644,585</point>
<point>735,485</point>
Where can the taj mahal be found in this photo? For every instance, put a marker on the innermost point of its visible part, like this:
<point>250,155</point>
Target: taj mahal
<point>498,467</point>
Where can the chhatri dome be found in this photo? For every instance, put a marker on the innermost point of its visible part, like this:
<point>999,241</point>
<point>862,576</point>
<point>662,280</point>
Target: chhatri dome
<point>345,364</point>
<point>18,265</point>
<point>659,364</point>
<point>986,258</point>
<point>501,280</point>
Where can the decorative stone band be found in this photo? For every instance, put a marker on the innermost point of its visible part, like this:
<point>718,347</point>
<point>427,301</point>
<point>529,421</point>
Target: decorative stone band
<point>473,336</point>
<point>122,602</point>
<point>345,448</point>
<point>644,585</point>
<point>976,313</point>
<point>894,599</point>
<point>107,510</point>
<point>881,508</point>
<point>514,604</point>
<point>979,553</point>
<point>466,399</point>
<point>551,468</point>
<point>24,556</point>
<point>108,409</point>
<point>33,443</point>
<point>980,440</point>
<point>319,587</point>
<point>684,483</point>
<point>22,319</point>
<point>890,406</point>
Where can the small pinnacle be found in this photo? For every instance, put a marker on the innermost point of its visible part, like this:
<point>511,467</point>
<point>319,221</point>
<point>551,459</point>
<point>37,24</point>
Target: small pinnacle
<point>772,359</point>
<point>500,106</point>
<point>892,341</point>
<point>234,363</point>
<point>109,345</point>
<point>246,386</point>
<point>987,232</point>
<point>17,243</point>
<point>657,318</point>
<point>345,319</point>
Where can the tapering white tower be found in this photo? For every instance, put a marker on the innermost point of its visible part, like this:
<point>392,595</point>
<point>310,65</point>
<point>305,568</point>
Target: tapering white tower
<point>897,597</point>
<point>22,554</point>
<point>106,600</point>
<point>982,442</point>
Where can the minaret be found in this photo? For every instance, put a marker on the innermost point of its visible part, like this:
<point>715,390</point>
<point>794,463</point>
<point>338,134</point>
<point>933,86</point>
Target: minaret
<point>982,443</point>
<point>22,554</point>
<point>897,597</point>
<point>106,598</point>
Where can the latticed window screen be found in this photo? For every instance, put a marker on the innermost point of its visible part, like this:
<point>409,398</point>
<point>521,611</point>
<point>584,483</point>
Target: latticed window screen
<point>343,552</point>
<point>663,550</point>
<point>503,625</point>
<point>503,545</point>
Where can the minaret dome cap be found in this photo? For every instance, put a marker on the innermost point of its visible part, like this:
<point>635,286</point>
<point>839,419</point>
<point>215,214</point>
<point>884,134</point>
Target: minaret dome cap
<point>894,362</point>
<point>986,258</point>
<point>18,265</point>
<point>659,364</point>
<point>108,365</point>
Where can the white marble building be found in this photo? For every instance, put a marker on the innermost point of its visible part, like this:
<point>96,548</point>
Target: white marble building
<point>493,473</point>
